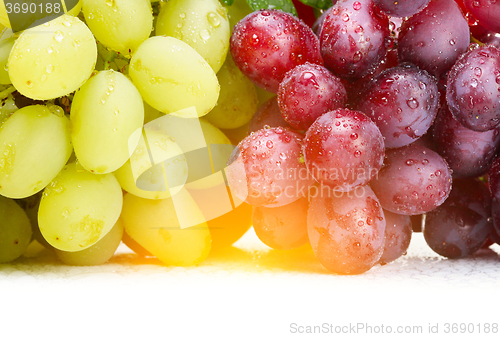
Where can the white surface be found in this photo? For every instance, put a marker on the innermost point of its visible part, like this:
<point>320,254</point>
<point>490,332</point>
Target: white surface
<point>244,291</point>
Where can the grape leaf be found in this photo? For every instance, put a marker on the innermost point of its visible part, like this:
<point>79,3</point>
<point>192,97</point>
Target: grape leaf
<point>284,5</point>
<point>228,2</point>
<point>321,4</point>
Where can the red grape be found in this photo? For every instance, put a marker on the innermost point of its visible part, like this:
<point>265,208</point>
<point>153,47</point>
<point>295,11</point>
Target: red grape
<point>268,43</point>
<point>434,38</point>
<point>468,153</point>
<point>473,89</point>
<point>414,180</point>
<point>401,8</point>
<point>487,12</point>
<point>307,92</point>
<point>347,232</point>
<point>460,226</point>
<point>268,114</point>
<point>343,149</point>
<point>267,168</point>
<point>494,178</point>
<point>282,227</point>
<point>354,38</point>
<point>398,231</point>
<point>403,102</point>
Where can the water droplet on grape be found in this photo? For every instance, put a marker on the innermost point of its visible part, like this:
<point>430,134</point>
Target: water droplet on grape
<point>356,5</point>
<point>49,69</point>
<point>412,103</point>
<point>213,19</point>
<point>58,36</point>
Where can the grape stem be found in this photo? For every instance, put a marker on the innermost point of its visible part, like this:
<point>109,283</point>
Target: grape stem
<point>5,93</point>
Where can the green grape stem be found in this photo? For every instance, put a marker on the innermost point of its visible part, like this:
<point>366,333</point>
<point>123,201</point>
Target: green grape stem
<point>5,93</point>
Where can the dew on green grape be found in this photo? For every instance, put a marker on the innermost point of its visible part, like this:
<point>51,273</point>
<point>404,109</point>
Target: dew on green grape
<point>205,34</point>
<point>50,68</point>
<point>58,36</point>
<point>213,19</point>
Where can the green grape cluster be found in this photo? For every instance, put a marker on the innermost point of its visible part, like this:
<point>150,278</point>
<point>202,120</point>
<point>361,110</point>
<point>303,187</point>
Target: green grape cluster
<point>102,129</point>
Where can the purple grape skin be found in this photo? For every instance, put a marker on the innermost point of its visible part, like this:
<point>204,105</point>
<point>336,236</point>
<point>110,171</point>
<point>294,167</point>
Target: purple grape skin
<point>460,226</point>
<point>307,92</point>
<point>433,38</point>
<point>494,178</point>
<point>267,169</point>
<point>487,12</point>
<point>268,114</point>
<point>347,232</point>
<point>468,153</point>
<point>473,89</point>
<point>282,227</point>
<point>343,149</point>
<point>495,215</point>
<point>401,8</point>
<point>268,43</point>
<point>398,231</point>
<point>414,180</point>
<point>403,102</point>
<point>345,34</point>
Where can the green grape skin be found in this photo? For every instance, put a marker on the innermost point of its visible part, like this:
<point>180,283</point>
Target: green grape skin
<point>6,43</point>
<point>78,208</point>
<point>35,145</point>
<point>237,11</point>
<point>202,24</point>
<point>106,115</point>
<point>75,10</point>
<point>121,25</point>
<point>15,230</point>
<point>171,76</point>
<point>97,254</point>
<point>7,108</point>
<point>161,147</point>
<point>193,134</point>
<point>237,99</point>
<point>134,246</point>
<point>153,224</point>
<point>53,59</point>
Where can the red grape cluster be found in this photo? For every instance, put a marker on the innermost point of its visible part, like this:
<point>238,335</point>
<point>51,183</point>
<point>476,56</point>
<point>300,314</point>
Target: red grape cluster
<point>373,117</point>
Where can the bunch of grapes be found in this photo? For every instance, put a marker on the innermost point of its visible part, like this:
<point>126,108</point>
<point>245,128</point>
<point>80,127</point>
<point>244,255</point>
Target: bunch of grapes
<point>350,122</point>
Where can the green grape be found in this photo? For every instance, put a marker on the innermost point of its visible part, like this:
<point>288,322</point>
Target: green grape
<point>7,108</point>
<point>107,115</point>
<point>15,230</point>
<point>96,254</point>
<point>75,10</point>
<point>78,208</point>
<point>193,137</point>
<point>237,11</point>
<point>171,76</point>
<point>121,25</point>
<point>155,225</point>
<point>202,24</point>
<point>7,40</point>
<point>53,59</point>
<point>35,145</point>
<point>134,246</point>
<point>146,179</point>
<point>237,100</point>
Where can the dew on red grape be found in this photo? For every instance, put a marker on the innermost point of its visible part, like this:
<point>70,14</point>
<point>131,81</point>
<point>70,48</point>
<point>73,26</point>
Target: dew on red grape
<point>433,38</point>
<point>401,8</point>
<point>307,92</point>
<point>347,231</point>
<point>354,41</point>
<point>402,183</point>
<point>468,153</point>
<point>403,102</point>
<point>267,168</point>
<point>284,40</point>
<point>332,155</point>
<point>473,89</point>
